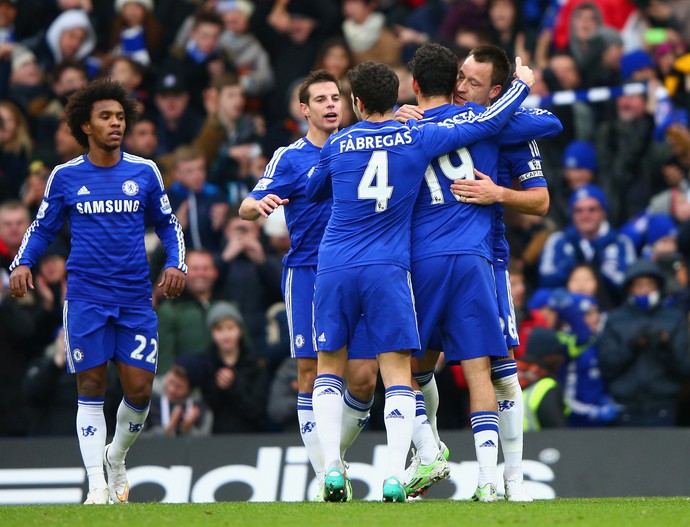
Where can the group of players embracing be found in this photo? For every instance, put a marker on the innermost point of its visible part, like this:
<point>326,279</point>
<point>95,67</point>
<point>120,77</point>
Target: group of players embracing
<point>398,254</point>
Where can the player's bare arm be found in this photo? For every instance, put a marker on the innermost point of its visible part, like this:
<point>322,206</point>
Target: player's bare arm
<point>172,282</point>
<point>407,112</point>
<point>252,208</point>
<point>21,280</point>
<point>483,191</point>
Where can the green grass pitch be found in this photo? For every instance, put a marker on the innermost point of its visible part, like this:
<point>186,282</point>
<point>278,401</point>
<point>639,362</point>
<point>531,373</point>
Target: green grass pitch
<point>566,512</point>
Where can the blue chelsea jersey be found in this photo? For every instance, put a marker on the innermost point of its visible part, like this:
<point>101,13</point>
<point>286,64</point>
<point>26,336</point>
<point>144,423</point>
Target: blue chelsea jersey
<point>286,177</point>
<point>521,164</point>
<point>374,171</point>
<point>441,223</point>
<point>106,208</point>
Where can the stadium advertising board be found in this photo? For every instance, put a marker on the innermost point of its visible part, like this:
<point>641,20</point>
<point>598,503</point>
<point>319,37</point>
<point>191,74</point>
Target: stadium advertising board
<point>567,463</point>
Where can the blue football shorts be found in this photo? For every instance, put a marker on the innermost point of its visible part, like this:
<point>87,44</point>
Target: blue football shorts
<point>96,333</point>
<point>456,304</point>
<point>298,292</point>
<point>506,309</point>
<point>378,295</point>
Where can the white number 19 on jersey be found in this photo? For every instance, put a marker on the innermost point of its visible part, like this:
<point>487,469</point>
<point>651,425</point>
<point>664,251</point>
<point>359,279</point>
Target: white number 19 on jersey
<point>380,191</point>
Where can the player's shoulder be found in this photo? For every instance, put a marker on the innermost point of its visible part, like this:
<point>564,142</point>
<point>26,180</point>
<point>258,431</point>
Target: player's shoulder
<point>131,159</point>
<point>520,150</point>
<point>533,111</point>
<point>337,136</point>
<point>446,115</point>
<point>293,152</point>
<point>62,171</point>
<point>69,165</point>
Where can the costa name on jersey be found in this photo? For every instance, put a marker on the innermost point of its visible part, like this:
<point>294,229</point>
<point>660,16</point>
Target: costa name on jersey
<point>105,208</point>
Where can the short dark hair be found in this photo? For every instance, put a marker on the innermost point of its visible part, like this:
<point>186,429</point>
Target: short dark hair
<point>435,68</point>
<point>498,58</point>
<point>376,85</point>
<point>67,64</point>
<point>315,77</point>
<point>80,105</point>
<point>204,16</point>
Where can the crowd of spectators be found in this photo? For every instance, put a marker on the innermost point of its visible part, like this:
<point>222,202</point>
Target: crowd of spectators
<point>605,271</point>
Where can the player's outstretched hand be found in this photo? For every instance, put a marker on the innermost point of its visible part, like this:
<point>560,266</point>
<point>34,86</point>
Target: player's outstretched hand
<point>524,73</point>
<point>172,282</point>
<point>269,203</point>
<point>407,112</point>
<point>21,280</point>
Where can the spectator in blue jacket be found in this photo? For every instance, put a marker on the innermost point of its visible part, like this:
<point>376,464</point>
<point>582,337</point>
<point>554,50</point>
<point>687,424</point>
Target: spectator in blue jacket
<point>583,387</point>
<point>588,239</point>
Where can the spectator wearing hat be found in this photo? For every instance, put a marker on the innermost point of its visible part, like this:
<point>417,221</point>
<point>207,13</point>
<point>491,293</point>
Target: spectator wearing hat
<point>638,66</point>
<point>71,36</point>
<point>176,122</point>
<point>644,350</point>
<point>579,165</point>
<point>657,239</point>
<point>235,384</point>
<point>661,238</point>
<point>645,229</point>
<point>579,328</point>
<point>135,32</point>
<point>588,239</point>
<point>538,372</point>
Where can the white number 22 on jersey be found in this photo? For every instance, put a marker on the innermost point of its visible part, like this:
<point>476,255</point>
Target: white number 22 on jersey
<point>380,191</point>
<point>463,171</point>
<point>138,354</point>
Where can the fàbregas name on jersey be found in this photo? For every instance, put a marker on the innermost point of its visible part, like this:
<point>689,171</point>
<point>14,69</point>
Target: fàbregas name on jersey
<point>371,142</point>
<point>108,206</point>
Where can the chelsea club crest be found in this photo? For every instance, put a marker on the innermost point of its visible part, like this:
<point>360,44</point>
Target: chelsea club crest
<point>131,188</point>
